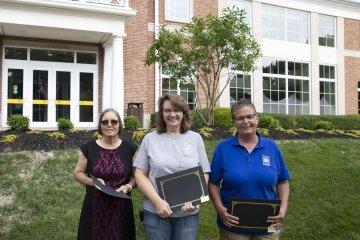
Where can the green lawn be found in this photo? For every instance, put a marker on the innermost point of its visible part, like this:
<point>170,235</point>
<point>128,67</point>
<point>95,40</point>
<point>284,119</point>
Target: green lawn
<point>39,199</point>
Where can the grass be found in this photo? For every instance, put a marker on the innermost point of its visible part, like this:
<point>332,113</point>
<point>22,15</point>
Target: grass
<point>39,199</point>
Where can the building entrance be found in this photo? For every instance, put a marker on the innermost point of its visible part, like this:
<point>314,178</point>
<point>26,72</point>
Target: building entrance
<point>46,91</point>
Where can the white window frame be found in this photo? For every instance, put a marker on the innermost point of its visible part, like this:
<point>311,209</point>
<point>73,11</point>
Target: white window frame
<point>277,21</point>
<point>170,5</point>
<point>324,107</point>
<point>245,5</point>
<point>287,77</point>
<point>327,27</point>
<point>236,73</point>
<point>179,91</point>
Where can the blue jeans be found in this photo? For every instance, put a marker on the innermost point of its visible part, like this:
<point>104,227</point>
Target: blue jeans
<point>171,228</point>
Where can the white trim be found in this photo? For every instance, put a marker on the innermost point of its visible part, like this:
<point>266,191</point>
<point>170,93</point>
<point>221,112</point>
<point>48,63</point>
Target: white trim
<point>52,67</point>
<point>181,20</point>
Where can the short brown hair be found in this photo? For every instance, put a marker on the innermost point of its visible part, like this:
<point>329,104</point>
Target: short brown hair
<point>177,102</point>
<point>240,104</point>
<point>118,118</point>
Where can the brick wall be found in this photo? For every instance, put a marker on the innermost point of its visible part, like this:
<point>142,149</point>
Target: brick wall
<point>100,77</point>
<point>352,76</point>
<point>352,34</point>
<point>352,65</point>
<point>139,79</point>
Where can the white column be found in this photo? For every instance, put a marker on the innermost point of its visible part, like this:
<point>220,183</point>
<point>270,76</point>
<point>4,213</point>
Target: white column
<point>106,84</point>
<point>340,93</point>
<point>157,78</point>
<point>117,75</point>
<point>314,82</point>
<point>257,84</point>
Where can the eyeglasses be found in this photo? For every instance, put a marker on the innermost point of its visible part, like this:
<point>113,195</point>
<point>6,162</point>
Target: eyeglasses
<point>175,111</point>
<point>242,119</point>
<point>107,122</point>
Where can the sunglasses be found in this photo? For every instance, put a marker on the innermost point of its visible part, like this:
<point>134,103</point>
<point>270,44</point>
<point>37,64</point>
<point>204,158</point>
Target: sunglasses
<point>107,122</point>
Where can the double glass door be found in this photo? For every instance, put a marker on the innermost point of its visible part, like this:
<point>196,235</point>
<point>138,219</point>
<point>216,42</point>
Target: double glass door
<point>47,94</point>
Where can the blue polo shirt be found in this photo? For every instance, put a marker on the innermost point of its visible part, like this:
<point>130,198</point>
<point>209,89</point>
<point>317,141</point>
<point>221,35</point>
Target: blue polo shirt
<point>247,175</point>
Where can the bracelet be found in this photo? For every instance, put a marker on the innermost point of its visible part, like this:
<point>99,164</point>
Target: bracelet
<point>129,186</point>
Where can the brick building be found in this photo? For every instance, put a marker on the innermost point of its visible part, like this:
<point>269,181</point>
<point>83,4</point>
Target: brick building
<point>63,58</point>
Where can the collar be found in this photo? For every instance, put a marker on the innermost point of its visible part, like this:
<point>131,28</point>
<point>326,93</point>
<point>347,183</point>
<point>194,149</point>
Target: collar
<point>259,144</point>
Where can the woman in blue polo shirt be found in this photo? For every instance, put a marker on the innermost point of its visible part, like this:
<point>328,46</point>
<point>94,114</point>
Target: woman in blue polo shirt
<point>247,165</point>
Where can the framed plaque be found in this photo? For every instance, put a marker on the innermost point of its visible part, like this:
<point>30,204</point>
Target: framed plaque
<point>107,189</point>
<point>253,213</point>
<point>185,186</point>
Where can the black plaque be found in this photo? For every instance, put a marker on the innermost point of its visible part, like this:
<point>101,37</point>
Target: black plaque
<point>253,213</point>
<point>183,186</point>
<point>107,189</point>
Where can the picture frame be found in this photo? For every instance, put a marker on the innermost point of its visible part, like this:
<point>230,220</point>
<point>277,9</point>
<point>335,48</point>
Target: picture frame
<point>253,213</point>
<point>184,186</point>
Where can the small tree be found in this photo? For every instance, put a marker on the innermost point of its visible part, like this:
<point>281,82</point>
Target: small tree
<point>205,51</point>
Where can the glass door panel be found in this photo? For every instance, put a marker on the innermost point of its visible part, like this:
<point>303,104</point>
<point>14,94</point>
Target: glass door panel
<point>86,92</point>
<point>63,94</point>
<point>15,91</point>
<point>40,96</point>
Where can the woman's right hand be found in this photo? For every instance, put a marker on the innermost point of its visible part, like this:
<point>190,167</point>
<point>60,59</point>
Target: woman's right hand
<point>228,219</point>
<point>163,208</point>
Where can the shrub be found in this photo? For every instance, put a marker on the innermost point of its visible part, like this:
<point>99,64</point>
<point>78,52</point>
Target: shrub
<point>131,123</point>
<point>34,132</point>
<point>206,132</point>
<point>153,119</point>
<point>64,124</point>
<point>264,132</point>
<point>97,136</point>
<point>266,121</point>
<point>56,135</point>
<point>9,138</point>
<point>139,135</point>
<point>222,117</point>
<point>196,120</point>
<point>324,125</point>
<point>232,131</point>
<point>18,123</point>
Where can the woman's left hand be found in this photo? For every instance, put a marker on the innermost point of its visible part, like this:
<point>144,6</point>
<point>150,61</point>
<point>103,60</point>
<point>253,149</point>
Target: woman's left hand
<point>124,188</point>
<point>276,220</point>
<point>189,207</point>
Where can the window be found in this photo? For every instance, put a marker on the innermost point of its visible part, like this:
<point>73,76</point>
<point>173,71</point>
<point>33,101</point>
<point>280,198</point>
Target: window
<point>326,31</point>
<point>327,90</point>
<point>240,87</point>
<point>178,10</point>
<point>48,55</point>
<point>185,90</point>
<point>16,53</point>
<point>246,5</point>
<point>86,58</point>
<point>285,24</point>
<point>286,86</point>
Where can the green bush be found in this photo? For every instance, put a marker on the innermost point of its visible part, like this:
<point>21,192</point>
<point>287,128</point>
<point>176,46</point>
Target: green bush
<point>18,123</point>
<point>196,120</point>
<point>64,124</point>
<point>153,119</point>
<point>267,121</point>
<point>222,117</point>
<point>325,125</point>
<point>131,123</point>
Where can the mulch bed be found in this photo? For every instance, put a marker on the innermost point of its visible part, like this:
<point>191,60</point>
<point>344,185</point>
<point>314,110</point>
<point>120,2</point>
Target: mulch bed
<point>42,142</point>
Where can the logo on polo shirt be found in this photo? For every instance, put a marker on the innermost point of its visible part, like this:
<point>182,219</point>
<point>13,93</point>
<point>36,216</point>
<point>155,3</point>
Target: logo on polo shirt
<point>266,160</point>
